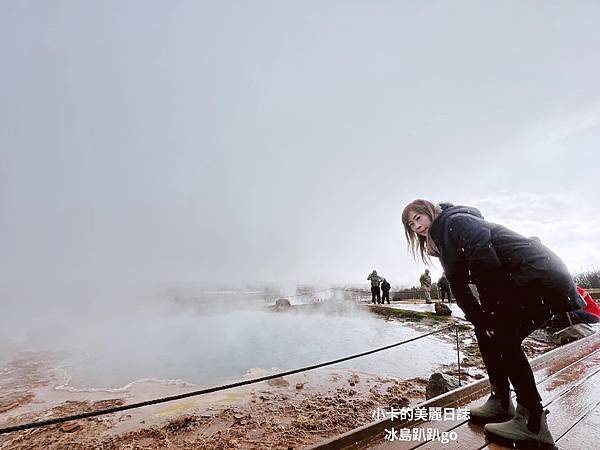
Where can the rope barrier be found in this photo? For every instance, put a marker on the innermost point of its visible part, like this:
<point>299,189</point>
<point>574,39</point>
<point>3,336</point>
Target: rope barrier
<point>43,423</point>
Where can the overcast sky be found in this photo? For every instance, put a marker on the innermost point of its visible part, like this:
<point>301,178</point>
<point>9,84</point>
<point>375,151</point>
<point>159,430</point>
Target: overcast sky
<point>247,142</point>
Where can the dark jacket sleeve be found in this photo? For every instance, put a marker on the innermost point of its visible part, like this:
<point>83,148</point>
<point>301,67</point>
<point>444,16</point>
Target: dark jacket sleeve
<point>465,299</point>
<point>478,263</point>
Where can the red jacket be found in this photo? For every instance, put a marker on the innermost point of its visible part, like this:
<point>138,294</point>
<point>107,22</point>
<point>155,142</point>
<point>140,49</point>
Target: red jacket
<point>591,306</point>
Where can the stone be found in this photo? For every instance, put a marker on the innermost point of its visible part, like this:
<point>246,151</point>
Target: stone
<point>279,381</point>
<point>282,302</point>
<point>572,333</point>
<point>353,379</point>
<point>442,310</point>
<point>70,427</point>
<point>439,384</point>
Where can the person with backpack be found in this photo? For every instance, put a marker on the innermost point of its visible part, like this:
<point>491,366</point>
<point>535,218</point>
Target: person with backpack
<point>375,282</point>
<point>425,282</point>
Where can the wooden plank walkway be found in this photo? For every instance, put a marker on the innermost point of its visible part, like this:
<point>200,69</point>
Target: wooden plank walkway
<point>568,380</point>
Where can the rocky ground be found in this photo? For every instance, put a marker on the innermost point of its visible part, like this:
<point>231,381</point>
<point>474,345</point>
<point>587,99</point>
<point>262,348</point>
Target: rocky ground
<point>286,412</point>
<point>289,412</point>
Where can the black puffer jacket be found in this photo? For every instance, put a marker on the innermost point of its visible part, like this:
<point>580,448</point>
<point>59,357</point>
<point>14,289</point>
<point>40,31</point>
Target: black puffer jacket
<point>385,286</point>
<point>443,284</point>
<point>511,272</point>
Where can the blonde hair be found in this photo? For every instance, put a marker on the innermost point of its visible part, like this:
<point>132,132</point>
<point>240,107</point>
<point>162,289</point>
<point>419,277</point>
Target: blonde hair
<point>417,244</point>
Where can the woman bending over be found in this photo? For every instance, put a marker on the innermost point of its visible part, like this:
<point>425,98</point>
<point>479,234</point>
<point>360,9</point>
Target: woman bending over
<point>521,284</point>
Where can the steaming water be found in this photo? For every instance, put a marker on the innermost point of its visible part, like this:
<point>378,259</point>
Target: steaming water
<point>222,344</point>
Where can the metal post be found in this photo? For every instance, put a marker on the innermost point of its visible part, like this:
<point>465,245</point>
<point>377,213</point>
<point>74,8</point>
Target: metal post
<point>458,354</point>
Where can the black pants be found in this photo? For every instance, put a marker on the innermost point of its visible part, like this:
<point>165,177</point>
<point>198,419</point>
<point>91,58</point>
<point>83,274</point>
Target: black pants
<point>504,358</point>
<point>446,291</point>
<point>375,294</point>
<point>386,296</point>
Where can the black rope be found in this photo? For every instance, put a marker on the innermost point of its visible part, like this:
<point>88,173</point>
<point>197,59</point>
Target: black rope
<point>99,412</point>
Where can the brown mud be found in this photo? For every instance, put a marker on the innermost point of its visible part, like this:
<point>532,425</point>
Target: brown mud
<point>290,412</point>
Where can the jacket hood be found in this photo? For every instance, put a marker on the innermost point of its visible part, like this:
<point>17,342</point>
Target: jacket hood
<point>448,210</point>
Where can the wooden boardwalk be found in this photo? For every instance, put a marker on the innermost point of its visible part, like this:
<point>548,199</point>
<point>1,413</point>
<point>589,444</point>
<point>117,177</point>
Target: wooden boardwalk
<point>568,379</point>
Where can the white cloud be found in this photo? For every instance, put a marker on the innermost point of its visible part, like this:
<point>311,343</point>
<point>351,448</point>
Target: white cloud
<point>565,224</point>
